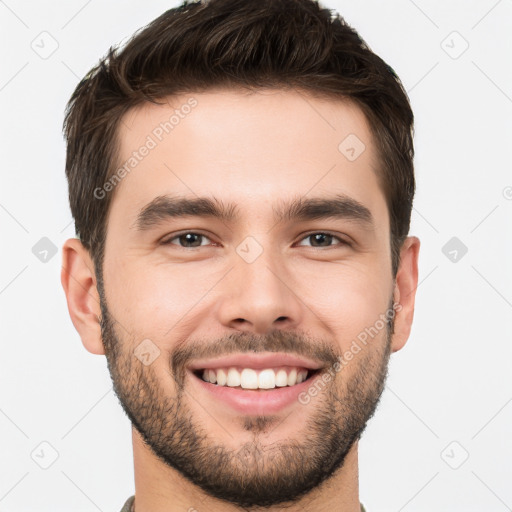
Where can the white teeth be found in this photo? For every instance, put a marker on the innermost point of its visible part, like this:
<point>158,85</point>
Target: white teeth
<point>267,379</point>
<point>281,379</point>
<point>222,378</point>
<point>233,378</point>
<point>301,376</point>
<point>249,378</point>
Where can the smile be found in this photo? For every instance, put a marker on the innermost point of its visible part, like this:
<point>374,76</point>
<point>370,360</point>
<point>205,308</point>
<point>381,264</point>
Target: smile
<point>254,383</point>
<point>252,378</point>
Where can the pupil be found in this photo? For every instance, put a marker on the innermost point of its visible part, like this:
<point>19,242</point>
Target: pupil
<point>318,237</point>
<point>188,239</point>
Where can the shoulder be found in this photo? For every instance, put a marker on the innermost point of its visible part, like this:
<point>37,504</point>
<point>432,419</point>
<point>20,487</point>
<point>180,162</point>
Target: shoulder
<point>127,507</point>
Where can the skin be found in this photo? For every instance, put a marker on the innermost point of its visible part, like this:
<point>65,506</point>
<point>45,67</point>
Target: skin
<point>258,151</point>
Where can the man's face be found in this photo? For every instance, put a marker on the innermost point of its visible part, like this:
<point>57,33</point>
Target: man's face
<point>262,288</point>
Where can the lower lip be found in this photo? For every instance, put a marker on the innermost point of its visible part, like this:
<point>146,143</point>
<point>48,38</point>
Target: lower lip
<point>256,402</point>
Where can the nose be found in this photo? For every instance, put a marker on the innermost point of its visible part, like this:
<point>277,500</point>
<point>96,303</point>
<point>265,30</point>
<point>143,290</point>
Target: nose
<point>259,297</point>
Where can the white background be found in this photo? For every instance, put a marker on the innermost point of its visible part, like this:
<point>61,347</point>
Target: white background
<point>449,394</point>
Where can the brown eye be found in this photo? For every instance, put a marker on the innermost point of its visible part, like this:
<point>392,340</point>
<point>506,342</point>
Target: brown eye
<point>323,240</point>
<point>187,240</point>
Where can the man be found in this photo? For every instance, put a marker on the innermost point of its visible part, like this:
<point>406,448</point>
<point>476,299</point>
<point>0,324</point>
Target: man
<point>241,179</point>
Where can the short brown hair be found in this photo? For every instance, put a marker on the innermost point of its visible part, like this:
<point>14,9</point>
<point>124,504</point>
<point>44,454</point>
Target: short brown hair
<point>235,44</point>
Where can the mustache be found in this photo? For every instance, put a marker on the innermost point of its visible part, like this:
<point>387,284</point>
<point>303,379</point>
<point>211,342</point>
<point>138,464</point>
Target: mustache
<point>296,343</point>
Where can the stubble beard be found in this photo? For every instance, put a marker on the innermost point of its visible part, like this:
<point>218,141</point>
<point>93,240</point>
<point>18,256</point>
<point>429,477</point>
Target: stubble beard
<point>256,474</point>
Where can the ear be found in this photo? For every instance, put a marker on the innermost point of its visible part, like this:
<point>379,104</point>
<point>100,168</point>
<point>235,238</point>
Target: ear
<point>79,282</point>
<point>406,283</point>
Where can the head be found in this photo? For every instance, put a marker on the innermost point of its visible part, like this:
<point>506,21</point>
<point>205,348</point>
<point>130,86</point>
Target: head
<point>241,179</point>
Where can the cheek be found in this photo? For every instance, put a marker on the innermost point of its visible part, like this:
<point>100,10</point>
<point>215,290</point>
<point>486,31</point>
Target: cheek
<point>157,301</point>
<point>346,299</point>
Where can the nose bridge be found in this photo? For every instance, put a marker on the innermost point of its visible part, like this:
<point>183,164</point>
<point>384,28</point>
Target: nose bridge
<point>260,296</point>
<point>263,279</point>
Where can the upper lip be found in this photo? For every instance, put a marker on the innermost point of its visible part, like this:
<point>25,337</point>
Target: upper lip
<point>256,360</point>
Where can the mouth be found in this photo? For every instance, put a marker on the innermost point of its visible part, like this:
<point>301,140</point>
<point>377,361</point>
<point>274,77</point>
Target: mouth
<point>255,379</point>
<point>255,383</point>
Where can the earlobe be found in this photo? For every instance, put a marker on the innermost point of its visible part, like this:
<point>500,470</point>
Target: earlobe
<point>406,283</point>
<point>79,282</point>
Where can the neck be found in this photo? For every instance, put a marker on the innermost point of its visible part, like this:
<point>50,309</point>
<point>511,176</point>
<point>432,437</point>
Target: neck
<point>160,488</point>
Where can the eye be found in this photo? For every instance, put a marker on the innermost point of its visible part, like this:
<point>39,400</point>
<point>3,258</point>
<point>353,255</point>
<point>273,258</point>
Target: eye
<point>187,240</point>
<point>191,240</point>
<point>321,239</point>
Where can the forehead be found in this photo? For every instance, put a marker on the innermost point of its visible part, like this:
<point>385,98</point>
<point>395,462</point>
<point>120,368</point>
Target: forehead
<point>253,149</point>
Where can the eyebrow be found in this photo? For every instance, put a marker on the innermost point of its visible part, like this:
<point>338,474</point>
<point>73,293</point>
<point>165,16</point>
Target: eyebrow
<point>167,207</point>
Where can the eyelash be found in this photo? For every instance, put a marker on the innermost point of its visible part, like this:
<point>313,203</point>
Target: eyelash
<point>341,240</point>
